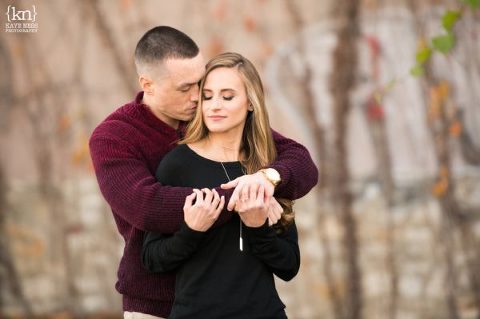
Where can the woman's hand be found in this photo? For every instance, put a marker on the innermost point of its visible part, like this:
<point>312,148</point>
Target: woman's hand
<point>201,215</point>
<point>252,208</point>
<point>244,184</point>
<point>275,211</point>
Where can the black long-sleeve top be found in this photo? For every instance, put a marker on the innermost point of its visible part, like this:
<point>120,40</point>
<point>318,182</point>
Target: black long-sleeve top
<point>214,279</point>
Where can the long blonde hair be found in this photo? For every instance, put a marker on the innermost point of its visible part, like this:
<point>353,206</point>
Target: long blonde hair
<point>257,143</point>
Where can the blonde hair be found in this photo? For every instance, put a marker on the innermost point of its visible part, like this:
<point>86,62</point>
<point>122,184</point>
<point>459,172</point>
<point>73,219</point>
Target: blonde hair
<point>257,143</point>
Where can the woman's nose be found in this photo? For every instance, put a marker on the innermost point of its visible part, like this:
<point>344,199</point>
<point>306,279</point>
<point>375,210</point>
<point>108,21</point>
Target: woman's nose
<point>217,104</point>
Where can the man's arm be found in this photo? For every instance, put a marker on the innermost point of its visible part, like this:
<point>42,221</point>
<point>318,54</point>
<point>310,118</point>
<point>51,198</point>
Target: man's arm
<point>297,171</point>
<point>296,167</point>
<point>131,190</point>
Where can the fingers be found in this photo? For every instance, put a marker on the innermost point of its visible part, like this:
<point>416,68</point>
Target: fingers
<point>270,222</point>
<point>216,198</point>
<point>199,196</point>
<point>245,192</point>
<point>253,194</point>
<point>212,203</point>
<point>230,184</point>
<point>208,195</point>
<point>220,207</point>
<point>275,211</point>
<point>235,196</point>
<point>261,194</point>
<point>189,200</point>
<point>278,210</point>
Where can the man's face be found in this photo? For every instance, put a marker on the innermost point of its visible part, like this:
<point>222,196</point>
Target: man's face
<point>175,92</point>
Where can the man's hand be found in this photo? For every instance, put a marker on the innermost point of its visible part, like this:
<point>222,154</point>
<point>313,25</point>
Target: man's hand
<point>244,184</point>
<point>201,215</point>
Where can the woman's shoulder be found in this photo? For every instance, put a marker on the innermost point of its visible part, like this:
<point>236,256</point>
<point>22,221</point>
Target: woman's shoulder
<point>177,156</point>
<point>179,159</point>
<point>177,153</point>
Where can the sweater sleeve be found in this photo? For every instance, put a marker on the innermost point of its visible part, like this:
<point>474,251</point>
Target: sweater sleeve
<point>296,167</point>
<point>132,191</point>
<point>163,253</point>
<point>279,252</point>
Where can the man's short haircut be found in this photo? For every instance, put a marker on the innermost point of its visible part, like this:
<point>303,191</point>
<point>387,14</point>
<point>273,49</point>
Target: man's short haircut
<point>161,43</point>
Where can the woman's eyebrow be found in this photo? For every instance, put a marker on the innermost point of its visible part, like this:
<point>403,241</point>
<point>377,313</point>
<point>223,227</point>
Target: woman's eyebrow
<point>222,90</point>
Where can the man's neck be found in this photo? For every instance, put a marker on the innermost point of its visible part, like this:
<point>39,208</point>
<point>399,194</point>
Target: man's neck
<point>162,117</point>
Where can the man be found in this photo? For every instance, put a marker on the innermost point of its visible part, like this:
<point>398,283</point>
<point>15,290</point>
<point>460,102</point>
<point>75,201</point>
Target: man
<point>128,145</point>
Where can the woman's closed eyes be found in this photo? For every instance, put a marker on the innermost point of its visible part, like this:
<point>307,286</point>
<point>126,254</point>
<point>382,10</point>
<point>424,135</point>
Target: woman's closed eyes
<point>225,97</point>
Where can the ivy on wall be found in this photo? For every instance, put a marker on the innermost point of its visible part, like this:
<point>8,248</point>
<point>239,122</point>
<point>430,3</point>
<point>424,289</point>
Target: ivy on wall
<point>442,43</point>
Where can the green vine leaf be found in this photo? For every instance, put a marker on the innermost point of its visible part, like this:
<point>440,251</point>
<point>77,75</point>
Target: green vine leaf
<point>443,43</point>
<point>417,70</point>
<point>475,4</point>
<point>423,55</point>
<point>449,19</point>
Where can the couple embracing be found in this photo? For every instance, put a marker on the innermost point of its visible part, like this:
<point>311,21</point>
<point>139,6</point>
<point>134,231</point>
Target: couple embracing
<point>200,186</point>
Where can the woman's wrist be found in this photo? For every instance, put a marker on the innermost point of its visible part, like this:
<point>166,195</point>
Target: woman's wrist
<point>254,222</point>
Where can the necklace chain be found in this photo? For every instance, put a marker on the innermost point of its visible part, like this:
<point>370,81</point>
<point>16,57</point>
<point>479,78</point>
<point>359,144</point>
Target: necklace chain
<point>226,173</point>
<point>229,179</point>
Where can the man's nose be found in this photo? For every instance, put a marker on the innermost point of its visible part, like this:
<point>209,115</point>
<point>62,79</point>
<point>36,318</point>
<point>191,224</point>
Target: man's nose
<point>195,94</point>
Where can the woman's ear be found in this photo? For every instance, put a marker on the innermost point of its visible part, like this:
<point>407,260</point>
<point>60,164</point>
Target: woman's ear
<point>250,107</point>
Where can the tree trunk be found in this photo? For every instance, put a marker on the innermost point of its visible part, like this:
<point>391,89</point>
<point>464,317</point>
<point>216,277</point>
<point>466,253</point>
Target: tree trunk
<point>319,133</point>
<point>342,83</point>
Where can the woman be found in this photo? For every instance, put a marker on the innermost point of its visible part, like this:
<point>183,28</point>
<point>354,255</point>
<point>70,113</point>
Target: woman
<point>227,271</point>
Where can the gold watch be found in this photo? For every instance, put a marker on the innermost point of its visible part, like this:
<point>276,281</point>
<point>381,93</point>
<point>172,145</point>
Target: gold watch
<point>271,175</point>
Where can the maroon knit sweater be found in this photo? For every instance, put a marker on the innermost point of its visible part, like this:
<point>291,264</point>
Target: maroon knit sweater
<point>126,149</point>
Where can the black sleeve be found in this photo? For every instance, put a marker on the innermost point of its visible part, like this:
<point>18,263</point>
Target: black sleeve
<point>163,253</point>
<point>279,252</point>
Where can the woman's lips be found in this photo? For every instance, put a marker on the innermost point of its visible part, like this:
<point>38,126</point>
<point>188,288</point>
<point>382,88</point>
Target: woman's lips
<point>216,117</point>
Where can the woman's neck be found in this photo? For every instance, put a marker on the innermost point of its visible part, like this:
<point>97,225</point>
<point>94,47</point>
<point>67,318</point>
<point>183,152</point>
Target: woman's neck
<point>220,147</point>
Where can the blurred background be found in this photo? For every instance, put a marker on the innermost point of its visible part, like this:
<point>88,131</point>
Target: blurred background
<point>384,93</point>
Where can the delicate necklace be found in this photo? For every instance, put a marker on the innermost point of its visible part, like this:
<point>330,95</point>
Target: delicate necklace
<point>228,177</point>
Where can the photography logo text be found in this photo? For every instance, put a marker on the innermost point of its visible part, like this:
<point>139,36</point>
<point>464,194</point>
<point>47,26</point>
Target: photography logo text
<point>21,20</point>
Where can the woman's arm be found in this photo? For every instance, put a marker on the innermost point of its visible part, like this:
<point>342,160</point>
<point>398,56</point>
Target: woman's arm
<point>280,252</point>
<point>163,253</point>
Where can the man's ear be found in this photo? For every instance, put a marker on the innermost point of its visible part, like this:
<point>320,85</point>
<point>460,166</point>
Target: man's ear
<point>146,84</point>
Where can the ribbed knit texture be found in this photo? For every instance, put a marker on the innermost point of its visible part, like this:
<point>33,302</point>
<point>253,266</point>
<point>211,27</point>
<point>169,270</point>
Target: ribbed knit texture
<point>126,149</point>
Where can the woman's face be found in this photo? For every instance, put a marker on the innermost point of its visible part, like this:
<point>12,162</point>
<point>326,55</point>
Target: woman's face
<point>225,103</point>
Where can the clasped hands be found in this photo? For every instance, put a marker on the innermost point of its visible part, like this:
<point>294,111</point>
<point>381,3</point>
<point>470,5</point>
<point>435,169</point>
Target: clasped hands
<point>252,199</point>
